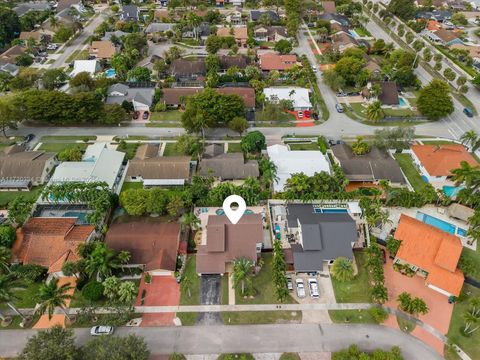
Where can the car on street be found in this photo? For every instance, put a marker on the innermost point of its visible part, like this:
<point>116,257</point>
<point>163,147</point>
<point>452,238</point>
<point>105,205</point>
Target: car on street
<point>313,286</point>
<point>29,138</point>
<point>289,283</point>
<point>340,94</point>
<point>467,111</point>
<point>307,113</point>
<point>315,116</point>
<point>101,330</point>
<point>339,108</point>
<point>300,288</point>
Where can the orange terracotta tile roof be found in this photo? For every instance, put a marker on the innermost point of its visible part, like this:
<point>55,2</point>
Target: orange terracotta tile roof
<point>272,61</point>
<point>432,250</point>
<point>440,160</point>
<point>433,25</point>
<point>46,241</point>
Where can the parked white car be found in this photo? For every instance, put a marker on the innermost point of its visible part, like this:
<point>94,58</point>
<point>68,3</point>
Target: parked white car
<point>289,283</point>
<point>313,286</point>
<point>300,288</point>
<point>101,330</point>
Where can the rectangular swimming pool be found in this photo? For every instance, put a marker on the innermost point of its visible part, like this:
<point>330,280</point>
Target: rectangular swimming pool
<point>441,224</point>
<point>330,211</point>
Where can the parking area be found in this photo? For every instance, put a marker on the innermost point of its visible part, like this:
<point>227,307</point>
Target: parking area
<point>325,289</point>
<point>210,289</point>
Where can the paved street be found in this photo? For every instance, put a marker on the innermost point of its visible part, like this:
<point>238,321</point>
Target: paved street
<point>253,338</point>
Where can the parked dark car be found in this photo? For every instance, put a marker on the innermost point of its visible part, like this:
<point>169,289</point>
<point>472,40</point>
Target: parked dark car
<point>29,138</point>
<point>467,111</point>
<point>136,114</point>
<point>384,256</point>
<point>145,115</point>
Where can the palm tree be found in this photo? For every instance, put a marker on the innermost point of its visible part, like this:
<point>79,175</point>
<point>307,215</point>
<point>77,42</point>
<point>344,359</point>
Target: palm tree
<point>102,261</point>
<point>470,138</point>
<point>5,255</point>
<point>186,284</point>
<point>379,294</point>
<point>242,272</point>
<point>475,304</point>
<point>51,296</point>
<point>419,306</point>
<point>405,300</point>
<point>53,21</point>
<point>190,220</point>
<point>470,320</point>
<point>467,174</point>
<point>127,292</point>
<point>7,286</point>
<point>375,112</point>
<point>342,269</point>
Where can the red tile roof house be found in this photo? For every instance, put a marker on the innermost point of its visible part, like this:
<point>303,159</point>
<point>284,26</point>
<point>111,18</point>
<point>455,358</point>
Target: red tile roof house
<point>152,245</point>
<point>226,242</point>
<point>50,242</point>
<point>272,61</point>
<point>431,253</point>
<point>436,162</point>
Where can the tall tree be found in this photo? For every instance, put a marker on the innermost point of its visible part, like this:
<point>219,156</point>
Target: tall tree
<point>375,112</point>
<point>7,292</point>
<point>114,347</point>
<point>470,138</point>
<point>9,26</point>
<point>10,113</point>
<point>434,100</point>
<point>342,269</point>
<point>242,274</point>
<point>52,296</point>
<point>102,261</point>
<point>404,9</point>
<point>52,344</point>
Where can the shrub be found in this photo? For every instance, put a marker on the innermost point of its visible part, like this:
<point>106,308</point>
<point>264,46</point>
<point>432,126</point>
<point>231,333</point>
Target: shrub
<point>7,235</point>
<point>378,314</point>
<point>30,273</point>
<point>322,144</point>
<point>93,291</point>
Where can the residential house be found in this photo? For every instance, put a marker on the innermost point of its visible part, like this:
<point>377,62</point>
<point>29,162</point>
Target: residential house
<point>226,242</point>
<point>155,27</point>
<point>23,8</point>
<point>235,18</point>
<point>237,3</point>
<point>270,33</point>
<point>230,166</point>
<point>472,50</point>
<point>152,246</point>
<point>21,169</point>
<point>202,31</point>
<point>68,4</point>
<point>342,41</point>
<point>102,50</point>
<point>443,37</point>
<point>317,238</point>
<point>11,54</point>
<point>8,68</point>
<point>98,164</point>
<point>176,97</point>
<point>436,14</point>
<point>287,163</point>
<point>335,19</point>
<point>368,168</point>
<point>473,17</point>
<point>373,67</point>
<point>272,61</point>
<point>436,162</point>
<point>140,97</point>
<point>91,67</point>
<point>297,95</point>
<point>246,93</point>
<point>117,34</point>
<point>435,3</point>
<point>388,93</point>
<point>186,70</point>
<point>256,15</point>
<point>154,170</point>
<point>50,242</point>
<point>239,33</point>
<point>129,13</point>
<point>37,36</point>
<point>432,253</point>
<point>329,7</point>
<point>226,62</point>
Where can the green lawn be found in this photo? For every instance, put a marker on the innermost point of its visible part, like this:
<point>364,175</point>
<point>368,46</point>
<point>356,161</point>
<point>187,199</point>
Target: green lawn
<point>311,146</point>
<point>80,302</point>
<point>171,151</point>
<point>468,344</point>
<point>264,289</point>
<point>406,163</point>
<point>405,325</point>
<point>7,196</point>
<point>260,116</point>
<point>474,257</point>
<point>361,31</point>
<point>351,316</point>
<point>290,356</point>
<point>78,55</point>
<point>355,291</point>
<point>399,112</point>
<point>224,295</point>
<point>129,149</point>
<point>68,137</point>
<point>234,147</point>
<point>194,299</point>
<point>169,115</point>
<point>261,317</point>
<point>27,296</point>
<point>58,147</point>
<point>131,185</point>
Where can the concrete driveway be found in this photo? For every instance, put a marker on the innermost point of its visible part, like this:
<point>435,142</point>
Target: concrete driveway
<point>210,290</point>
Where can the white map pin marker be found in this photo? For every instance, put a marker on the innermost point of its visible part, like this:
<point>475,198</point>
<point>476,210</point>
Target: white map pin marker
<point>234,215</point>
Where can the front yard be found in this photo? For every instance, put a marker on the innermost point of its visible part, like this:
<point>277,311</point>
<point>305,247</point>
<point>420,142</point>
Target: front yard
<point>234,148</point>
<point>406,163</point>
<point>192,298</point>
<point>284,116</point>
<point>170,150</point>
<point>169,115</point>
<point>310,146</point>
<point>58,147</point>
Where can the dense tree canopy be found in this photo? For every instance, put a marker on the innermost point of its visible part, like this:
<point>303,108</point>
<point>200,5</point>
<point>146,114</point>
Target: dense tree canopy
<point>434,100</point>
<point>131,347</point>
<point>53,344</point>
<point>9,26</point>
<point>404,9</point>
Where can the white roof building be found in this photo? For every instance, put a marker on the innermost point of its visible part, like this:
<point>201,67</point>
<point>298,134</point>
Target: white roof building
<point>293,162</point>
<point>98,164</point>
<point>90,66</point>
<point>299,96</point>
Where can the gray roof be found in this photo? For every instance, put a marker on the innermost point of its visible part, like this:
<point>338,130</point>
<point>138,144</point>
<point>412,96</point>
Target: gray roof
<point>374,166</point>
<point>257,14</point>
<point>11,69</point>
<point>229,167</point>
<point>324,236</point>
<point>158,27</point>
<point>341,19</point>
<point>117,33</point>
<point>143,95</point>
<point>22,9</point>
<point>130,12</point>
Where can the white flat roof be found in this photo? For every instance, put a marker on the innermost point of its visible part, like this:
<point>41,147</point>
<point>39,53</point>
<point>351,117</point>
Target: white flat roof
<point>79,66</point>
<point>293,162</point>
<point>297,94</point>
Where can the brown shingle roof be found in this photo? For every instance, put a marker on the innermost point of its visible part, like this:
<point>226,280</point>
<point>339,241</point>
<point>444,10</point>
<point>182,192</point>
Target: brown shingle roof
<point>389,94</point>
<point>102,49</point>
<point>187,67</point>
<point>46,241</point>
<point>247,94</point>
<point>432,250</point>
<point>272,61</point>
<point>11,54</point>
<point>25,35</point>
<point>227,242</point>
<point>446,35</point>
<point>440,160</point>
<point>229,167</point>
<point>150,166</point>
<point>15,163</point>
<point>226,62</point>
<point>153,244</point>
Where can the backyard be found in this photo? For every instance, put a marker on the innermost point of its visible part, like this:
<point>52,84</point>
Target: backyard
<point>7,196</point>
<point>406,163</point>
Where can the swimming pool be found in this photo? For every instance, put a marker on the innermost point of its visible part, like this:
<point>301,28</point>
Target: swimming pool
<point>402,102</point>
<point>330,211</point>
<point>451,191</point>
<point>441,224</point>
<point>221,212</point>
<point>354,34</point>
<point>81,216</point>
<point>110,73</point>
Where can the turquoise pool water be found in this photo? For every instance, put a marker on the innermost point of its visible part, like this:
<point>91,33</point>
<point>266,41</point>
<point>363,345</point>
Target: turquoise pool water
<point>451,191</point>
<point>110,73</point>
<point>81,216</point>
<point>330,211</point>
<point>441,224</point>
<point>402,102</point>
<point>354,34</point>
<point>221,212</point>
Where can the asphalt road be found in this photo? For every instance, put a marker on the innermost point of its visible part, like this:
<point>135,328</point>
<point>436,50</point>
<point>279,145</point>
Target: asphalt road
<point>276,338</point>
